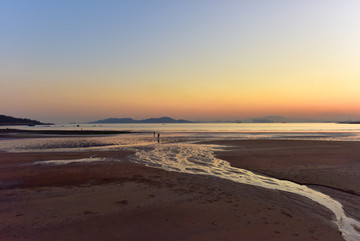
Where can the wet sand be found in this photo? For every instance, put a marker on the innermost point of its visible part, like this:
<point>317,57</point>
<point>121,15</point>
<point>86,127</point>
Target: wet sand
<point>332,167</point>
<point>119,200</point>
<point>20,133</point>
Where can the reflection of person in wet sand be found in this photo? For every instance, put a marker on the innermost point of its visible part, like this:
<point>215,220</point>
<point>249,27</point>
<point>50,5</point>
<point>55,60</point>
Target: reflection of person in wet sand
<point>158,137</point>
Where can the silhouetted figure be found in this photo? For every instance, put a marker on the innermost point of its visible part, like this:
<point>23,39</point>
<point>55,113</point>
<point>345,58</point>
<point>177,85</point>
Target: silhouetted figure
<point>158,137</point>
<point>154,133</point>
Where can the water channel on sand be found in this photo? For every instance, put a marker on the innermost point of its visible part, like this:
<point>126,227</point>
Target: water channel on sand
<point>181,154</point>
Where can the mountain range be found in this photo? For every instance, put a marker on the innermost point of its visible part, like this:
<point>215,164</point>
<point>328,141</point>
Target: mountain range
<point>131,120</point>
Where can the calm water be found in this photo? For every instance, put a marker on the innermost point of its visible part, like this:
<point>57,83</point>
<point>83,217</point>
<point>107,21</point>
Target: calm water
<point>172,133</point>
<point>209,127</point>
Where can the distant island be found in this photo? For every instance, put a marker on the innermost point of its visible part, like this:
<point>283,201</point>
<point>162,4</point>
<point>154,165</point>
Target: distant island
<point>130,120</point>
<point>264,119</point>
<point>278,119</point>
<point>349,122</point>
<point>11,121</point>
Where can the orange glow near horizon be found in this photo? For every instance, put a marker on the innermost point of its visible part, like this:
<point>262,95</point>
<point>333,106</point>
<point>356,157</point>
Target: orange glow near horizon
<point>210,64</point>
<point>213,101</point>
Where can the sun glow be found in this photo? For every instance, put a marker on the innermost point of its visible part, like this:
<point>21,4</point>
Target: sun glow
<point>213,61</point>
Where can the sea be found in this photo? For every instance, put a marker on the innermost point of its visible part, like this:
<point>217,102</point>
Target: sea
<point>144,134</point>
<point>205,127</point>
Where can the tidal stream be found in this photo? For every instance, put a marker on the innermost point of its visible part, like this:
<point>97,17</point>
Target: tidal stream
<point>178,152</point>
<point>199,159</point>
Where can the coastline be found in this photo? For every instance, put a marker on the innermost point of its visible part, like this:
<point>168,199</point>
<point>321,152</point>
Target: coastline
<point>21,133</point>
<point>115,199</point>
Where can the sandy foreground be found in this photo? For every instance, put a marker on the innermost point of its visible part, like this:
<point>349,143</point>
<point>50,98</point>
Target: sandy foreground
<point>119,200</point>
<point>332,167</point>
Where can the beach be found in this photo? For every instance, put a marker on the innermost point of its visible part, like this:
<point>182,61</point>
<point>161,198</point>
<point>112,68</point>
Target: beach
<point>179,120</point>
<point>117,199</point>
<point>332,167</point>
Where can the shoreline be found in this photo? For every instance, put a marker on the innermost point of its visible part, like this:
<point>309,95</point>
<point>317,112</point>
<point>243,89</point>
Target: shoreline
<point>114,199</point>
<point>63,132</point>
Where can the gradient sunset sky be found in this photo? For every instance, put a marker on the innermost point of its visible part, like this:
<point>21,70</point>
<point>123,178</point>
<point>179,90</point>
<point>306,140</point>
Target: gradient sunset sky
<point>63,61</point>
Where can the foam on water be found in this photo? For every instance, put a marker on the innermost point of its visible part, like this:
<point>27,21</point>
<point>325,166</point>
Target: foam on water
<point>199,159</point>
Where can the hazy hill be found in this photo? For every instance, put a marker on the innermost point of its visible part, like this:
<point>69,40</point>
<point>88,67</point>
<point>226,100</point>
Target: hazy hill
<point>115,120</point>
<point>130,120</point>
<point>269,119</point>
<point>8,120</point>
<point>278,119</point>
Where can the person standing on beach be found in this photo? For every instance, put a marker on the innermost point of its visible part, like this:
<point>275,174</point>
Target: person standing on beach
<point>158,138</point>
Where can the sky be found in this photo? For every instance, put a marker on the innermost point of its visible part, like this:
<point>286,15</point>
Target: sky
<point>65,61</point>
